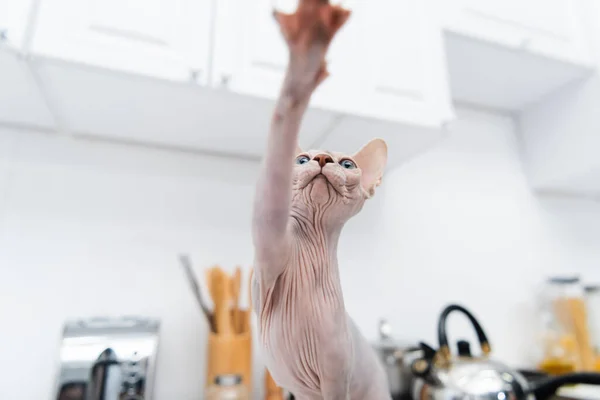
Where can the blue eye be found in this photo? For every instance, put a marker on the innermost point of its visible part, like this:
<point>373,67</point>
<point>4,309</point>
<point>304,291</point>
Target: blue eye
<point>302,160</point>
<point>348,164</point>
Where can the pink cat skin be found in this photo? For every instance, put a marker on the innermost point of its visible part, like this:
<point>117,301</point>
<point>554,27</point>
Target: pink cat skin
<point>311,346</point>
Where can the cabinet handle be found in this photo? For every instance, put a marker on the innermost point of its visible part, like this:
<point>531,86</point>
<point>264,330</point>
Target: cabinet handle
<point>525,44</point>
<point>225,80</point>
<point>195,75</point>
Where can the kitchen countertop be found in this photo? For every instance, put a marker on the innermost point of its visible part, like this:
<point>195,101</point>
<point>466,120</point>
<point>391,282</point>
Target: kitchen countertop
<point>580,392</point>
<point>552,398</point>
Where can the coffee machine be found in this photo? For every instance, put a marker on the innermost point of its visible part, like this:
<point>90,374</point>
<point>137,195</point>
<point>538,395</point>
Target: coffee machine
<point>108,359</point>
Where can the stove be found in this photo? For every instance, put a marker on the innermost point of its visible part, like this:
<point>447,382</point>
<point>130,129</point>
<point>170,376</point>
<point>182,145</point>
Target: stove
<point>531,376</point>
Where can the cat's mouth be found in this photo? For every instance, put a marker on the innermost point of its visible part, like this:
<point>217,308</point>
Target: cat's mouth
<point>322,177</point>
<point>314,179</point>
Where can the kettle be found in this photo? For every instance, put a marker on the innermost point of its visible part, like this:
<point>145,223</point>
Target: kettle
<point>441,375</point>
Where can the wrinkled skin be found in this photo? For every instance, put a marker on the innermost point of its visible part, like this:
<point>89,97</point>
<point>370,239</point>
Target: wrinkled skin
<point>311,346</point>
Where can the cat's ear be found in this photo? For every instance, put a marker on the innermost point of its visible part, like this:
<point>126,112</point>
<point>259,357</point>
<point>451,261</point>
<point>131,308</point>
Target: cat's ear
<point>371,159</point>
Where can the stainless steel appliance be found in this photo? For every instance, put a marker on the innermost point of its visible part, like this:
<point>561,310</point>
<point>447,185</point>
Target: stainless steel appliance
<point>108,359</point>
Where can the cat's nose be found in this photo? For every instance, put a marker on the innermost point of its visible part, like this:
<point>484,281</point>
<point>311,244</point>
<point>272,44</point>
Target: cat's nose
<point>323,159</point>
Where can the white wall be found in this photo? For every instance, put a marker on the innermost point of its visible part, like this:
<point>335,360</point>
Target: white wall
<point>462,225</point>
<point>96,229</point>
<point>92,228</point>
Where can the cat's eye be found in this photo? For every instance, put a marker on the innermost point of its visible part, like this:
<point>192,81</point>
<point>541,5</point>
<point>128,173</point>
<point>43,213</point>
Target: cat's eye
<point>302,160</point>
<point>348,164</point>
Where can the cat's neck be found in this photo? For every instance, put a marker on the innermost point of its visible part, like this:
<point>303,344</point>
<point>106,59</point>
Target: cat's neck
<point>316,244</point>
<point>319,239</point>
<point>315,226</point>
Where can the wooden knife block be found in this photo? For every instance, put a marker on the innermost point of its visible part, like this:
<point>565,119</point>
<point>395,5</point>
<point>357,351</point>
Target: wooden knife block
<point>231,354</point>
<point>273,392</point>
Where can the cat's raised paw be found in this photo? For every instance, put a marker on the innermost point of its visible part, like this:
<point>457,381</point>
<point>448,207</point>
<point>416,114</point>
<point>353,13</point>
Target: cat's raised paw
<point>315,22</point>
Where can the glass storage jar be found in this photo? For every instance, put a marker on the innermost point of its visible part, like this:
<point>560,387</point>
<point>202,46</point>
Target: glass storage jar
<point>592,301</point>
<point>566,337</point>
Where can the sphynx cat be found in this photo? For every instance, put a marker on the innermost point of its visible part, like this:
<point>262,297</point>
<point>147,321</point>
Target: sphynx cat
<point>311,346</point>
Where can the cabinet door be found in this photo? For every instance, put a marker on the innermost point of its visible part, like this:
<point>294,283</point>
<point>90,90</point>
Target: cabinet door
<point>386,62</point>
<point>405,75</point>
<point>251,56</point>
<point>550,27</point>
<point>250,53</point>
<point>346,88</point>
<point>161,38</point>
<point>14,17</point>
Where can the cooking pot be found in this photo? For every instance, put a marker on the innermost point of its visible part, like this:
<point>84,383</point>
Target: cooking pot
<point>397,358</point>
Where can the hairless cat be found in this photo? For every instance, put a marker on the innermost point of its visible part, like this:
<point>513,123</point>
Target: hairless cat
<point>311,346</point>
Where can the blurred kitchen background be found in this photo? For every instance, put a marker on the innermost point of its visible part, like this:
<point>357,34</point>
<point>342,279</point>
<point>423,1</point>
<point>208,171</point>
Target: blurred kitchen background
<point>131,132</point>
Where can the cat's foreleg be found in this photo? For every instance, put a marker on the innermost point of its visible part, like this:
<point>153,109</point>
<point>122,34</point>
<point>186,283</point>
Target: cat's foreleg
<point>308,33</point>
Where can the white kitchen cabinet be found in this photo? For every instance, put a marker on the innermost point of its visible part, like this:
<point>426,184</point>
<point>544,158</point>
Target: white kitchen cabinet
<point>561,141</point>
<point>249,55</point>
<point>547,27</point>
<point>408,64</point>
<point>386,63</point>
<point>510,54</point>
<point>561,136</point>
<point>400,81</point>
<point>115,106</point>
<point>8,146</point>
<point>403,141</point>
<point>14,20</point>
<point>21,102</point>
<point>118,70</point>
<point>493,76</point>
<point>161,38</point>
